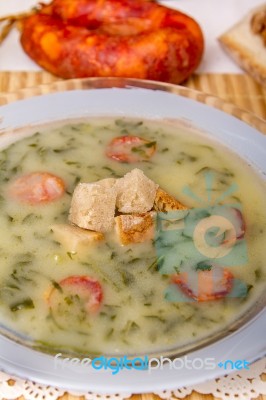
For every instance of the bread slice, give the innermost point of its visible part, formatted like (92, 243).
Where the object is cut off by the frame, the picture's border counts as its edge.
(135, 193)
(247, 47)
(93, 205)
(164, 202)
(135, 228)
(74, 239)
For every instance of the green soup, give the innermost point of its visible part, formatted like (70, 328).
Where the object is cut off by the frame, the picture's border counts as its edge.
(135, 316)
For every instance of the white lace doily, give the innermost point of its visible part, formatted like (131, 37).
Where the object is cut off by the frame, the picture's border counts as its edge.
(244, 385)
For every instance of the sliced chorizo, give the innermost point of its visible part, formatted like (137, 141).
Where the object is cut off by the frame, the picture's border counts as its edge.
(36, 188)
(84, 291)
(205, 285)
(130, 149)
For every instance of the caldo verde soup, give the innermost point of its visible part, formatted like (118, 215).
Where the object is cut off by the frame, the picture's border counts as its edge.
(112, 297)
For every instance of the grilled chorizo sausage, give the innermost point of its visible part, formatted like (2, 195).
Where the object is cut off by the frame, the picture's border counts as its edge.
(118, 38)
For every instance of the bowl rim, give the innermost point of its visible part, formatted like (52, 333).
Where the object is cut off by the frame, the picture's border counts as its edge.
(99, 83)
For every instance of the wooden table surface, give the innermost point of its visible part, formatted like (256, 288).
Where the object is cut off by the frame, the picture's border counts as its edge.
(235, 88)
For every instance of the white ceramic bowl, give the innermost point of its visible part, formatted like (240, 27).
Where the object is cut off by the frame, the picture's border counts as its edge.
(121, 97)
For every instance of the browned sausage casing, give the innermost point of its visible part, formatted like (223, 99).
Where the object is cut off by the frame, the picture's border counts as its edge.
(118, 38)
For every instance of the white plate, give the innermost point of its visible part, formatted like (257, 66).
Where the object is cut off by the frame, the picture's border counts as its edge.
(143, 100)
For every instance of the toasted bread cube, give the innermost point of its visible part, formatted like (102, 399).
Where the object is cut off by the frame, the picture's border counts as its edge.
(73, 238)
(135, 193)
(107, 182)
(135, 228)
(164, 202)
(93, 205)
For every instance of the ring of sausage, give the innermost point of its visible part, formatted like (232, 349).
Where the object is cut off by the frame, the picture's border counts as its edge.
(118, 38)
(130, 149)
(37, 188)
(205, 285)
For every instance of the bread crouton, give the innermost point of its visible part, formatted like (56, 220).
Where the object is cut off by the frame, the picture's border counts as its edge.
(107, 182)
(73, 238)
(93, 205)
(135, 228)
(164, 202)
(135, 193)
